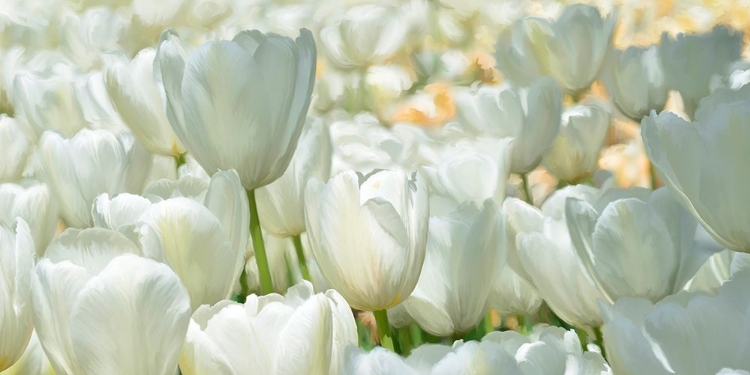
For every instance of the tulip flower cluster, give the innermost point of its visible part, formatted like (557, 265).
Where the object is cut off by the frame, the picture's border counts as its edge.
(374, 187)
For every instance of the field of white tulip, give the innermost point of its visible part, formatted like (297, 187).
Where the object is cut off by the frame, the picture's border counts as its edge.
(375, 187)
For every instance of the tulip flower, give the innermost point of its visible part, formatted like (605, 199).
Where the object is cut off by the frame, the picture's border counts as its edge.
(16, 267)
(270, 78)
(530, 115)
(34, 204)
(77, 170)
(571, 49)
(47, 102)
(137, 95)
(300, 332)
(688, 333)
(16, 148)
(368, 236)
(716, 142)
(636, 79)
(708, 54)
(466, 239)
(635, 243)
(183, 233)
(33, 360)
(549, 260)
(101, 309)
(575, 152)
(513, 295)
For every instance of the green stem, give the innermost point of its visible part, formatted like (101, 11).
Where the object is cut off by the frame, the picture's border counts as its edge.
(404, 340)
(179, 160)
(384, 330)
(527, 189)
(264, 272)
(583, 337)
(525, 323)
(653, 174)
(416, 335)
(487, 322)
(301, 258)
(600, 341)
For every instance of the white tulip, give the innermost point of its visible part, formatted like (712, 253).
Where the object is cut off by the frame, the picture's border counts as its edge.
(281, 203)
(575, 152)
(546, 254)
(184, 234)
(471, 357)
(100, 309)
(706, 155)
(531, 116)
(365, 34)
(47, 103)
(709, 54)
(35, 206)
(464, 252)
(470, 171)
(636, 79)
(32, 362)
(378, 361)
(77, 170)
(15, 149)
(253, 90)
(572, 49)
(513, 295)
(688, 333)
(139, 100)
(300, 332)
(368, 235)
(16, 267)
(635, 243)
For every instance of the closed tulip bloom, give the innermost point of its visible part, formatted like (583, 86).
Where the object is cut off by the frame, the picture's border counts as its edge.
(469, 171)
(281, 204)
(688, 333)
(368, 235)
(531, 116)
(365, 34)
(101, 309)
(138, 97)
(547, 256)
(575, 152)
(34, 204)
(571, 49)
(513, 295)
(464, 252)
(240, 104)
(15, 148)
(184, 233)
(16, 267)
(635, 243)
(77, 170)
(47, 103)
(299, 333)
(636, 79)
(716, 142)
(472, 357)
(690, 61)
(378, 361)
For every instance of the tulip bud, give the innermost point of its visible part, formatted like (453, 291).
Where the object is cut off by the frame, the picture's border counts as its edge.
(35, 206)
(16, 265)
(47, 103)
(368, 235)
(240, 104)
(690, 61)
(100, 309)
(706, 155)
(464, 250)
(77, 170)
(636, 79)
(15, 148)
(139, 99)
(575, 152)
(272, 334)
(281, 204)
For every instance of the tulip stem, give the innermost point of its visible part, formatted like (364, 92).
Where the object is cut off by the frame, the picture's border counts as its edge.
(527, 189)
(264, 272)
(600, 340)
(653, 175)
(179, 160)
(384, 330)
(301, 258)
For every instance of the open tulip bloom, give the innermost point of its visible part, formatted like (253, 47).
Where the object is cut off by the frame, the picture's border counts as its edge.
(378, 187)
